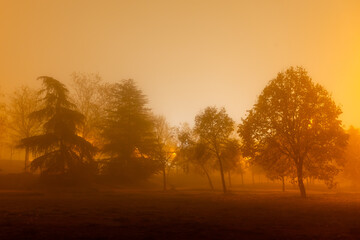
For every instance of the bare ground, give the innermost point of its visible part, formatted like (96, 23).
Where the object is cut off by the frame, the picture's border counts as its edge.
(127, 214)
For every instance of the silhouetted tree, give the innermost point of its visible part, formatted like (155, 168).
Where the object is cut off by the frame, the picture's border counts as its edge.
(352, 156)
(3, 123)
(275, 164)
(203, 160)
(278, 166)
(23, 102)
(164, 150)
(241, 168)
(214, 127)
(61, 150)
(255, 169)
(89, 97)
(184, 136)
(231, 157)
(128, 129)
(3, 118)
(299, 119)
(192, 152)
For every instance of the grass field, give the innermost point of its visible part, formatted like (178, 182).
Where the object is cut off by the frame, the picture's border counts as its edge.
(135, 214)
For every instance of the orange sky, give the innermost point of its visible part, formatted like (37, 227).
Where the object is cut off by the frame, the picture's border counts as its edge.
(185, 54)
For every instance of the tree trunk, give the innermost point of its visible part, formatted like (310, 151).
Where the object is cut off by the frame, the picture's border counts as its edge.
(222, 173)
(209, 179)
(300, 180)
(229, 176)
(11, 153)
(253, 176)
(283, 183)
(26, 158)
(164, 177)
(302, 187)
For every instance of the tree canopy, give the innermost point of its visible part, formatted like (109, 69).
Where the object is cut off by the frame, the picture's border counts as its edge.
(214, 128)
(59, 149)
(88, 95)
(128, 130)
(3, 118)
(352, 156)
(192, 151)
(23, 102)
(297, 118)
(164, 149)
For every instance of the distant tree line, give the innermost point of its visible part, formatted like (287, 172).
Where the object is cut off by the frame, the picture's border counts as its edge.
(292, 132)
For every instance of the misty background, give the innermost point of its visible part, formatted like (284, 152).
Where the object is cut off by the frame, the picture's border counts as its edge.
(185, 55)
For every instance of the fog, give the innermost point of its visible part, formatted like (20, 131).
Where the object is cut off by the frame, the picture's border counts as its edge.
(208, 53)
(179, 119)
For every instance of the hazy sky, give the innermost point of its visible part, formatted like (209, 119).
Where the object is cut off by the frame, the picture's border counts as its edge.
(185, 55)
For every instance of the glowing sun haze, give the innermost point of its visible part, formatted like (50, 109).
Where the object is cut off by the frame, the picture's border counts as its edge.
(185, 55)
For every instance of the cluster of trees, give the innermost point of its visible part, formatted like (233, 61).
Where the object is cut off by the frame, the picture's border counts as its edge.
(210, 145)
(292, 132)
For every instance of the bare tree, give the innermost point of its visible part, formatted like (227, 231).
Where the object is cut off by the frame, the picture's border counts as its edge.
(88, 96)
(165, 146)
(193, 152)
(3, 122)
(23, 102)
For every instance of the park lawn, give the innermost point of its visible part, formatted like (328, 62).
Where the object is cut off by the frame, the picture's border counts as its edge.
(150, 214)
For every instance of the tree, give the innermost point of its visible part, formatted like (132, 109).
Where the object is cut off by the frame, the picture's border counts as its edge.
(214, 127)
(203, 160)
(352, 156)
(3, 123)
(23, 102)
(193, 152)
(231, 157)
(241, 168)
(164, 150)
(184, 136)
(298, 118)
(275, 164)
(61, 150)
(3, 119)
(128, 129)
(255, 169)
(278, 166)
(89, 98)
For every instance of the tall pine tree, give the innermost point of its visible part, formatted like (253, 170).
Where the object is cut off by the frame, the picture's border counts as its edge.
(58, 148)
(129, 133)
